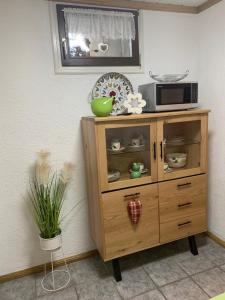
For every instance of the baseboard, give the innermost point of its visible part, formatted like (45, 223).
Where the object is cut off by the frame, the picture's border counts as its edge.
(216, 239)
(40, 268)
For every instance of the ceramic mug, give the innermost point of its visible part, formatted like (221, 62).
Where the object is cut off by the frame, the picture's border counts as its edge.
(135, 142)
(115, 145)
(142, 167)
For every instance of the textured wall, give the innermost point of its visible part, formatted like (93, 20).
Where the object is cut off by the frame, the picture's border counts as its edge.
(212, 92)
(39, 109)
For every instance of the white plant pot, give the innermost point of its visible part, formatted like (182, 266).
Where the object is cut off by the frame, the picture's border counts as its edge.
(52, 243)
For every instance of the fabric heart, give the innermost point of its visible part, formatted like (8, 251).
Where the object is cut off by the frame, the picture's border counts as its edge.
(103, 47)
(134, 208)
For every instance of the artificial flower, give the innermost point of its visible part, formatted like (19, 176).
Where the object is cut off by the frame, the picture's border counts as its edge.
(42, 172)
(67, 172)
(43, 156)
(134, 103)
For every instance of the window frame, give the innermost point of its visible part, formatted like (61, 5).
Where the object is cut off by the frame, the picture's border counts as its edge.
(95, 61)
(60, 69)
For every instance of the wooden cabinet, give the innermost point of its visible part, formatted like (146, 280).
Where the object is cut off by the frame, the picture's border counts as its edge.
(173, 197)
(121, 236)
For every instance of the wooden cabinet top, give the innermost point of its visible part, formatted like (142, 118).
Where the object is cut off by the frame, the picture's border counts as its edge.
(147, 115)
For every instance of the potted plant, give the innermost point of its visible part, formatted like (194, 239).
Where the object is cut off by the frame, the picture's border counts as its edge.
(46, 196)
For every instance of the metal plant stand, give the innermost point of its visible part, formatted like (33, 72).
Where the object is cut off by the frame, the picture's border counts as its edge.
(52, 274)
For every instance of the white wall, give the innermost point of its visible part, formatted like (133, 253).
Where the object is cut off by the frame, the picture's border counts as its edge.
(212, 92)
(39, 109)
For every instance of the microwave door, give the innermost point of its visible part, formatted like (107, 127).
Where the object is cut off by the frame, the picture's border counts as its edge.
(169, 94)
(174, 96)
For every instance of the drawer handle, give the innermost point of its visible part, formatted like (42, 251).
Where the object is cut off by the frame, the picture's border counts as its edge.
(136, 195)
(188, 204)
(154, 150)
(188, 184)
(184, 224)
(161, 150)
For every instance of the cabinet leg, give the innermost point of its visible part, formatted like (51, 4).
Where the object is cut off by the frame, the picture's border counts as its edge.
(116, 269)
(192, 245)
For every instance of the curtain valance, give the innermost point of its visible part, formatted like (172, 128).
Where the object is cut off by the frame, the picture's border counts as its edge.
(99, 24)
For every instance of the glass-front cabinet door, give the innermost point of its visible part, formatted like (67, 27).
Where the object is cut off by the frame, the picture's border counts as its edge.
(127, 154)
(181, 147)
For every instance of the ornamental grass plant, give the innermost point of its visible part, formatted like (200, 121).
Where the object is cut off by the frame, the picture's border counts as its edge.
(46, 195)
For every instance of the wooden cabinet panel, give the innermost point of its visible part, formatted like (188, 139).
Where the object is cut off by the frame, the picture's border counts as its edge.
(182, 197)
(182, 227)
(121, 236)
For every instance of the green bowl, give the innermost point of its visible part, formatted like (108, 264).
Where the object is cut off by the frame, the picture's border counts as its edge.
(102, 107)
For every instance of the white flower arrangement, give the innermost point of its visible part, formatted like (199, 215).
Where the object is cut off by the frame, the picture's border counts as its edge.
(134, 103)
(47, 190)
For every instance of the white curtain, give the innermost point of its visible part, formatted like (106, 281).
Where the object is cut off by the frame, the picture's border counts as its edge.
(95, 24)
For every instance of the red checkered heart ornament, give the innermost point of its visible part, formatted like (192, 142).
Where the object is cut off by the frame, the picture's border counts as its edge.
(134, 208)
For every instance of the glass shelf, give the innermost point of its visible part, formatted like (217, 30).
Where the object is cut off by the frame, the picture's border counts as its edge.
(172, 170)
(185, 143)
(125, 151)
(126, 176)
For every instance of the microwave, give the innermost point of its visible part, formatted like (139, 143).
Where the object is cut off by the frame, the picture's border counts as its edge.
(169, 96)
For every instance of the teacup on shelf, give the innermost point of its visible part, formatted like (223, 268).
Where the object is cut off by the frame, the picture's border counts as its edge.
(135, 142)
(115, 145)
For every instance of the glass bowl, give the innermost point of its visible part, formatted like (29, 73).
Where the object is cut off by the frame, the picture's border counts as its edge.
(168, 77)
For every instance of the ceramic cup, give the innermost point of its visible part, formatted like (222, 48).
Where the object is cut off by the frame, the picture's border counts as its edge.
(135, 142)
(115, 145)
(142, 167)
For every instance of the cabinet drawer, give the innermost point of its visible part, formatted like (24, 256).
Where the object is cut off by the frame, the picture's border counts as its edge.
(182, 227)
(182, 197)
(120, 235)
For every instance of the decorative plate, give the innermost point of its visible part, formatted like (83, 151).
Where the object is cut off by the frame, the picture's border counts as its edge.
(113, 85)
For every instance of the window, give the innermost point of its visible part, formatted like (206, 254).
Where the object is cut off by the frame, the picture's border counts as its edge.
(93, 36)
